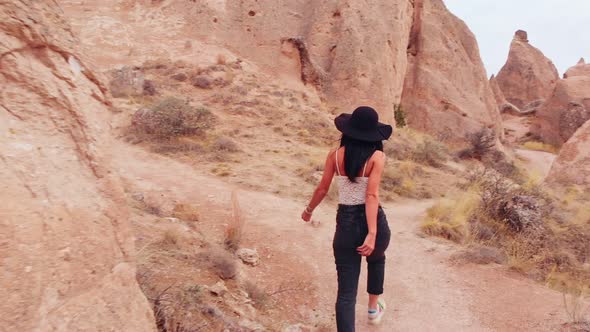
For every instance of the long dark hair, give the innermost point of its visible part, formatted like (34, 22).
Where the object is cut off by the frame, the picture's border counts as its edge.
(357, 153)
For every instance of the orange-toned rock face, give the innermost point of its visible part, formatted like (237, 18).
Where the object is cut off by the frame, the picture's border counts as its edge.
(446, 89)
(572, 166)
(67, 254)
(565, 111)
(527, 75)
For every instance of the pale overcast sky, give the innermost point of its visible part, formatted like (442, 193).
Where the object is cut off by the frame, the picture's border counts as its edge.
(559, 28)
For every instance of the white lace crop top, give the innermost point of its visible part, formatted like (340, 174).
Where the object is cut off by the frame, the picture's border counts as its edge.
(351, 193)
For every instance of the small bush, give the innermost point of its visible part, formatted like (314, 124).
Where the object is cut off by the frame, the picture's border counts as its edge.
(225, 264)
(430, 153)
(256, 294)
(149, 88)
(172, 117)
(497, 161)
(202, 82)
(399, 115)
(225, 144)
(170, 238)
(181, 77)
(481, 143)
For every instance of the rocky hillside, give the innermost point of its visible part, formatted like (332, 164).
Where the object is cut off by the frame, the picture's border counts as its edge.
(345, 52)
(68, 252)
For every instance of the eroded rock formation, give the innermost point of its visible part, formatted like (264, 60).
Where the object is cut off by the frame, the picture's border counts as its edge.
(528, 76)
(67, 251)
(572, 165)
(446, 91)
(565, 111)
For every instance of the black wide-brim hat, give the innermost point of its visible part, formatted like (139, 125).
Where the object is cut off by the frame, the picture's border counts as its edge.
(363, 124)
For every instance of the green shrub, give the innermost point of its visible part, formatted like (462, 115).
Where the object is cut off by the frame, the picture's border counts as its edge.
(399, 115)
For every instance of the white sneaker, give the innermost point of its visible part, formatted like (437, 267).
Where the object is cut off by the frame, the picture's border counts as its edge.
(375, 316)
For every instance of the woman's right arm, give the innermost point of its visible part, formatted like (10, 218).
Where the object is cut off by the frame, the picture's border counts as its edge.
(322, 188)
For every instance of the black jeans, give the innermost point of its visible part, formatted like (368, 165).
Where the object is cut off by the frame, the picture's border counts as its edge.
(351, 230)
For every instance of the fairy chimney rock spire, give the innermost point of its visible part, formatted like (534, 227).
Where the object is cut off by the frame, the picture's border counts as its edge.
(522, 36)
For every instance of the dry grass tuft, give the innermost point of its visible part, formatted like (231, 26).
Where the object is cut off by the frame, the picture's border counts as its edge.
(235, 228)
(225, 144)
(186, 212)
(540, 146)
(421, 148)
(449, 217)
(576, 293)
(171, 238)
(256, 294)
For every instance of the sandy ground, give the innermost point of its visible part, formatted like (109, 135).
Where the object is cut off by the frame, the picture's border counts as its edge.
(425, 290)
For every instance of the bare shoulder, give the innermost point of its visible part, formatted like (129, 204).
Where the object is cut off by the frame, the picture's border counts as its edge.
(332, 152)
(378, 156)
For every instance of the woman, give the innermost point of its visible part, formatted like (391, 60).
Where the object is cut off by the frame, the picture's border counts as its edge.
(361, 225)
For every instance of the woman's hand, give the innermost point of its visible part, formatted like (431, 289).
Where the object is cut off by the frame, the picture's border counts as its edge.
(306, 216)
(368, 246)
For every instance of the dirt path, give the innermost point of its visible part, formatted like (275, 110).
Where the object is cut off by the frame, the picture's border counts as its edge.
(424, 290)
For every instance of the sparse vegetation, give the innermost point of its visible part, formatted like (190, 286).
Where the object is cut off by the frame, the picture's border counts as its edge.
(172, 117)
(256, 294)
(431, 153)
(449, 218)
(186, 212)
(481, 143)
(415, 162)
(520, 220)
(225, 144)
(408, 144)
(235, 228)
(225, 264)
(170, 238)
(399, 115)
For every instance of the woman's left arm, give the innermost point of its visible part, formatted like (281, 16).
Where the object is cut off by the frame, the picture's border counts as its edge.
(322, 188)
